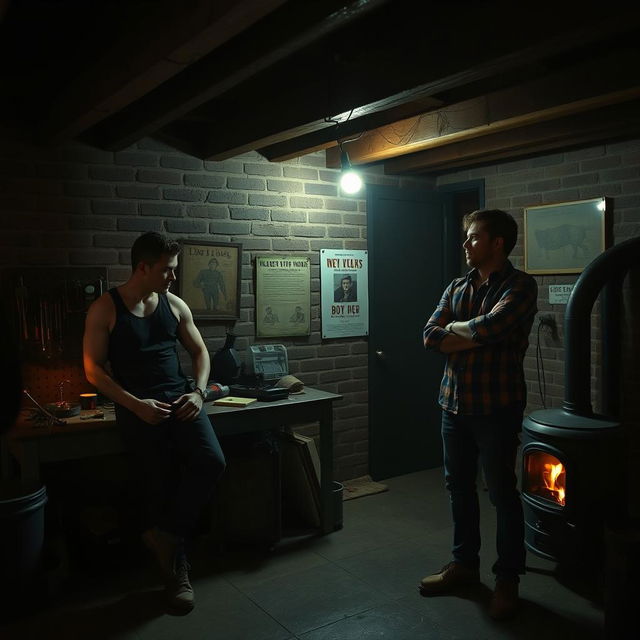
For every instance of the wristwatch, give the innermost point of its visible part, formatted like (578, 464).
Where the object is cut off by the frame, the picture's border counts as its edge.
(201, 393)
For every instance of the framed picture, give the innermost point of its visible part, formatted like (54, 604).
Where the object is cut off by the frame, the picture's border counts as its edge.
(344, 292)
(283, 296)
(209, 275)
(565, 237)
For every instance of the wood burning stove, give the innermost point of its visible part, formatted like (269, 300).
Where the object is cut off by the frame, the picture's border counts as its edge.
(573, 463)
(570, 466)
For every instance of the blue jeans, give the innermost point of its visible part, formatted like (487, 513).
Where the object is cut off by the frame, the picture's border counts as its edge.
(494, 440)
(176, 466)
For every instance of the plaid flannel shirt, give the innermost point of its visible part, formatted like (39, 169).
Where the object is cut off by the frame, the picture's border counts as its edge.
(479, 381)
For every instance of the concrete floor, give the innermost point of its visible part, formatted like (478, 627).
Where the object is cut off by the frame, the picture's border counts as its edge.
(357, 583)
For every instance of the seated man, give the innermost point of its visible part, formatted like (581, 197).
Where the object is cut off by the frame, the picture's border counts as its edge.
(178, 459)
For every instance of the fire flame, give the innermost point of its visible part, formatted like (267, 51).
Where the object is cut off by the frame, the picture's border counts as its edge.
(554, 478)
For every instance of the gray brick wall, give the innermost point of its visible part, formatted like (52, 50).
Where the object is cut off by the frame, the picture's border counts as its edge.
(80, 206)
(76, 205)
(611, 170)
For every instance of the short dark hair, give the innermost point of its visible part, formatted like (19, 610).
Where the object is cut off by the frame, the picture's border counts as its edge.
(497, 223)
(150, 247)
(213, 260)
(346, 277)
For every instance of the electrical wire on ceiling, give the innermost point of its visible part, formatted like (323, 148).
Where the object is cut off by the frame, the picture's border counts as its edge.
(350, 180)
(338, 123)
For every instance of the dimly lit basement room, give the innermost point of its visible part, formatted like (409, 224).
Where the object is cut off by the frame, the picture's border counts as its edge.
(317, 319)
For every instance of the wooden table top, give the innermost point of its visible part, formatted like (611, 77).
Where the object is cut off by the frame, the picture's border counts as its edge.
(26, 429)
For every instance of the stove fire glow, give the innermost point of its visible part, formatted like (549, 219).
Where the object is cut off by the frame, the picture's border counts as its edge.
(545, 477)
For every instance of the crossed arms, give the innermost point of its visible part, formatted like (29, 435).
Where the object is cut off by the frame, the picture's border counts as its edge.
(444, 334)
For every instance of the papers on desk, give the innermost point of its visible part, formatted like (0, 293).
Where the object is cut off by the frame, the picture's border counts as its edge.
(233, 401)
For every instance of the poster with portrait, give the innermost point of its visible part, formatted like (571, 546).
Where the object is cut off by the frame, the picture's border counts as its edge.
(209, 278)
(283, 296)
(344, 284)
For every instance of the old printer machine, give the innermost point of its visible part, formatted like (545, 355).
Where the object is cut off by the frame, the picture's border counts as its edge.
(266, 364)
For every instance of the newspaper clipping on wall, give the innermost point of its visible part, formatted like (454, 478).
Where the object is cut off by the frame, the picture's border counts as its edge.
(283, 296)
(344, 285)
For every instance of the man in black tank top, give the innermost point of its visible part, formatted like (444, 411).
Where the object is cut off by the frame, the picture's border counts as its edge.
(177, 459)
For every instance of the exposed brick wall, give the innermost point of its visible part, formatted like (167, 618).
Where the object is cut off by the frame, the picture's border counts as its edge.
(77, 205)
(613, 171)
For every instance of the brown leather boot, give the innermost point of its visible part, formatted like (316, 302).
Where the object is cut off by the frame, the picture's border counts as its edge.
(451, 576)
(172, 561)
(505, 600)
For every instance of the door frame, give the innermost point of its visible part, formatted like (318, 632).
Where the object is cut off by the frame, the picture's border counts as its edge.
(451, 254)
(452, 232)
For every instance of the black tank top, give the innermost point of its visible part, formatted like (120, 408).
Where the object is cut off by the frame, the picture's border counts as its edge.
(142, 351)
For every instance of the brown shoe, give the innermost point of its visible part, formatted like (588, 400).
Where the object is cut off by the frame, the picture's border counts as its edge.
(505, 601)
(451, 576)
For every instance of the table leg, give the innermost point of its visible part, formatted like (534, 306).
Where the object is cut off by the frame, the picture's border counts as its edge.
(327, 522)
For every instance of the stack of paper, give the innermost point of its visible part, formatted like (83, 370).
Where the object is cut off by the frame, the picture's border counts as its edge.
(233, 401)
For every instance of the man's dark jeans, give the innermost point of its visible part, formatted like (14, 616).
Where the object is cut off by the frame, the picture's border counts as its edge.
(175, 466)
(494, 440)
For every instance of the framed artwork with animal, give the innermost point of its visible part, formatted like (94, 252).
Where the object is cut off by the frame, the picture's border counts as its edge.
(566, 236)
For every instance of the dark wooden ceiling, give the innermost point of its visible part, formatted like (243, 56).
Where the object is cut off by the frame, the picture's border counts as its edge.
(419, 86)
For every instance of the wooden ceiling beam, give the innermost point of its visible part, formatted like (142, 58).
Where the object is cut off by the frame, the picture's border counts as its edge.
(175, 36)
(583, 87)
(279, 37)
(608, 123)
(298, 112)
(327, 137)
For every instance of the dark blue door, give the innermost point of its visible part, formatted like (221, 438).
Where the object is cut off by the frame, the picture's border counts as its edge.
(414, 249)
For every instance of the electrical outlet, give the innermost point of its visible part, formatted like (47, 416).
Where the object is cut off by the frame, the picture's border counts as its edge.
(547, 320)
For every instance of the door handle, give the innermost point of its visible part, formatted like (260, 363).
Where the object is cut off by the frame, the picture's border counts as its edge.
(380, 355)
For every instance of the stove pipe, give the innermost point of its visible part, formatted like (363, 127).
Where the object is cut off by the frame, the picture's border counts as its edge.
(609, 269)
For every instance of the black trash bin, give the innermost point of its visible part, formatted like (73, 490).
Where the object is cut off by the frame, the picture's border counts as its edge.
(21, 543)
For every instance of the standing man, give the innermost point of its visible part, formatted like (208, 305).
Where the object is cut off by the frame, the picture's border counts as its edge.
(177, 457)
(482, 324)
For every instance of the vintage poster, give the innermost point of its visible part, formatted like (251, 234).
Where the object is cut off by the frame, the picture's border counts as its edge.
(344, 286)
(209, 278)
(283, 296)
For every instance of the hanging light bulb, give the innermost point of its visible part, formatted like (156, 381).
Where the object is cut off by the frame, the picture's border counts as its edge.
(350, 180)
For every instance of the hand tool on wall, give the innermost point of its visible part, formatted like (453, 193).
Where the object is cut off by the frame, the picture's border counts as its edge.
(43, 412)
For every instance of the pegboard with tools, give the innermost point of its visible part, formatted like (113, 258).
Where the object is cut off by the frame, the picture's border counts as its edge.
(44, 383)
(47, 308)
